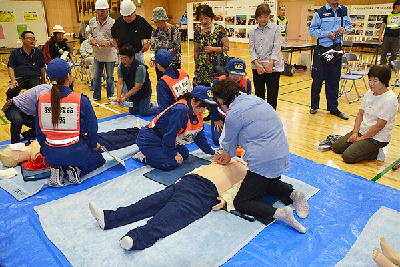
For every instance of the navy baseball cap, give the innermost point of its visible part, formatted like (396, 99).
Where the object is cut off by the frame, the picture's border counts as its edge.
(236, 66)
(58, 68)
(163, 57)
(204, 93)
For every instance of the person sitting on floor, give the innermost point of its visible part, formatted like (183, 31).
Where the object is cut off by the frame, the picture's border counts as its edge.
(388, 258)
(162, 142)
(66, 128)
(178, 205)
(375, 120)
(173, 83)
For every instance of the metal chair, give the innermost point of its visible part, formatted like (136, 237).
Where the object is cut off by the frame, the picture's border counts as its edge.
(351, 57)
(343, 81)
(348, 44)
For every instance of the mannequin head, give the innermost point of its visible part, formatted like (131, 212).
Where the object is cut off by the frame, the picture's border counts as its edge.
(10, 158)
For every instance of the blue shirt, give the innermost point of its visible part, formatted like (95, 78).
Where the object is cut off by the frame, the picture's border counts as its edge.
(88, 120)
(327, 20)
(165, 97)
(183, 20)
(175, 119)
(254, 125)
(25, 65)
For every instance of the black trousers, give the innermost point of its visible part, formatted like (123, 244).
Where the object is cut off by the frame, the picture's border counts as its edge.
(23, 83)
(272, 82)
(183, 35)
(253, 188)
(17, 119)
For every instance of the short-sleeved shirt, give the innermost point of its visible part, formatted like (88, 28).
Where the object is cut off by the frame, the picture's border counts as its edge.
(131, 33)
(382, 106)
(102, 32)
(169, 40)
(388, 31)
(25, 65)
(26, 101)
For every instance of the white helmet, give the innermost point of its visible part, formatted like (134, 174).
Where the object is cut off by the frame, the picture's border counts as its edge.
(101, 4)
(127, 7)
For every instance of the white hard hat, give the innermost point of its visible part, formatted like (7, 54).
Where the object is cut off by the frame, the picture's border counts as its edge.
(127, 7)
(58, 28)
(101, 4)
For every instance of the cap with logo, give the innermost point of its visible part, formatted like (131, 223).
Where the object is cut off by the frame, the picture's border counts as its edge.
(204, 93)
(236, 66)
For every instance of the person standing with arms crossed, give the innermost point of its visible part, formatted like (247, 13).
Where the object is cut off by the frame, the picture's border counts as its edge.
(326, 25)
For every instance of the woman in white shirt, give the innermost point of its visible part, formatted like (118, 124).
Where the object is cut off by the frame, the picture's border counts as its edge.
(375, 120)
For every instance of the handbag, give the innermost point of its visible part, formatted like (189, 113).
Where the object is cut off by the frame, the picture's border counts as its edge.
(331, 54)
(220, 61)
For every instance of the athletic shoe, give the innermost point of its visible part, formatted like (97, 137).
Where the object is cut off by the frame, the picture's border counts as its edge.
(74, 174)
(140, 157)
(98, 214)
(56, 176)
(313, 111)
(381, 155)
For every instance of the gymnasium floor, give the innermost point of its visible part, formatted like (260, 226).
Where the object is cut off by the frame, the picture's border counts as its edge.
(338, 212)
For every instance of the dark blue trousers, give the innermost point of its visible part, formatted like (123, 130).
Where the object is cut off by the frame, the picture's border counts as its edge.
(330, 73)
(118, 138)
(171, 209)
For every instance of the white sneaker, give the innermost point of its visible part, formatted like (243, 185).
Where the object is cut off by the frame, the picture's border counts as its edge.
(56, 176)
(98, 214)
(140, 157)
(381, 155)
(74, 174)
(126, 243)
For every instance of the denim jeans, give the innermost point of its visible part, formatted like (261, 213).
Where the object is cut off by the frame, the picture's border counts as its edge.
(98, 71)
(17, 119)
(144, 107)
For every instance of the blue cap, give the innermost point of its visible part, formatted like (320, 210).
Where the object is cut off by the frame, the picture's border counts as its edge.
(58, 68)
(163, 57)
(185, 11)
(236, 66)
(204, 93)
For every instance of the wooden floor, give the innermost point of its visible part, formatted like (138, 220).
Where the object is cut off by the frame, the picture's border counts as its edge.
(302, 128)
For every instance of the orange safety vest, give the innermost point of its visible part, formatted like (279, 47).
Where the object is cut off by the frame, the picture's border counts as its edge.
(68, 129)
(184, 136)
(178, 86)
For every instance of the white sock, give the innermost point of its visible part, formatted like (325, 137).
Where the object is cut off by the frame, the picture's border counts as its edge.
(286, 215)
(140, 157)
(126, 242)
(98, 214)
(300, 202)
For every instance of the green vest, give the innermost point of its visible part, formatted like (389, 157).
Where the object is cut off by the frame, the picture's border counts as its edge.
(282, 24)
(393, 19)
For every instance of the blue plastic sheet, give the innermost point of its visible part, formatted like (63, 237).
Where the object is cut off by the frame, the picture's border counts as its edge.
(338, 214)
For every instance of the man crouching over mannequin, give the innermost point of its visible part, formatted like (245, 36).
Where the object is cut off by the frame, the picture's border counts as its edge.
(178, 205)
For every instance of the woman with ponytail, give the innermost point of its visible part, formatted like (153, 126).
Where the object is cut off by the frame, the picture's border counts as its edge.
(174, 82)
(66, 128)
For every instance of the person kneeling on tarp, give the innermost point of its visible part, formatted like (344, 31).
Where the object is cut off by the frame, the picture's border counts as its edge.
(66, 128)
(162, 142)
(178, 205)
(375, 120)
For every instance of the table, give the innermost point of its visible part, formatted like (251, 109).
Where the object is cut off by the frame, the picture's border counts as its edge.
(292, 47)
(369, 44)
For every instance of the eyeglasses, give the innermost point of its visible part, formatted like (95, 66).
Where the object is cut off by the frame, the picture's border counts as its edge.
(32, 39)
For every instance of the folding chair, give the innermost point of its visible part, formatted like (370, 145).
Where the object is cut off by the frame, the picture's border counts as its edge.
(343, 81)
(351, 57)
(348, 44)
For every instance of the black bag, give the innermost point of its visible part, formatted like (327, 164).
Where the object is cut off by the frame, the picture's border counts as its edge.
(331, 54)
(287, 71)
(220, 61)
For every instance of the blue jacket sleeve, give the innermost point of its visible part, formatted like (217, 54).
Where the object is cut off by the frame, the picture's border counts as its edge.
(165, 98)
(201, 141)
(178, 120)
(89, 122)
(248, 87)
(315, 27)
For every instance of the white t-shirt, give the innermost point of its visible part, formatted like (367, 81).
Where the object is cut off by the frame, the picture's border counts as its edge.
(382, 106)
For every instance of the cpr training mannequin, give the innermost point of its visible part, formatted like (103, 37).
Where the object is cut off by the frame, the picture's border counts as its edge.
(162, 142)
(10, 158)
(180, 204)
(66, 128)
(388, 258)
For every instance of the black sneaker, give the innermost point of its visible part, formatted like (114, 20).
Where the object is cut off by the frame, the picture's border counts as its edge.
(341, 115)
(56, 176)
(74, 174)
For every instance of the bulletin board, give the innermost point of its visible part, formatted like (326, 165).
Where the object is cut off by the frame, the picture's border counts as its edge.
(16, 17)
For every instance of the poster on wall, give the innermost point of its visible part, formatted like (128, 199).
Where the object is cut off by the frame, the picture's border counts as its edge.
(366, 20)
(2, 36)
(21, 28)
(31, 17)
(7, 16)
